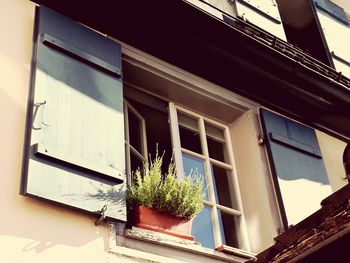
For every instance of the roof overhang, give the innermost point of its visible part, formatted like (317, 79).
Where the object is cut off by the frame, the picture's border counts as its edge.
(189, 38)
(323, 236)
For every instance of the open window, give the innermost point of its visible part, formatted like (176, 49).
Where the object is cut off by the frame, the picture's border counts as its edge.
(190, 133)
(135, 139)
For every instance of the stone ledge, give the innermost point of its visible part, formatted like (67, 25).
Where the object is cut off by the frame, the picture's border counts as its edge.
(152, 246)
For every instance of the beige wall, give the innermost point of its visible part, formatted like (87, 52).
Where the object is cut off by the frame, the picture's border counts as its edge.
(332, 153)
(255, 182)
(345, 4)
(31, 230)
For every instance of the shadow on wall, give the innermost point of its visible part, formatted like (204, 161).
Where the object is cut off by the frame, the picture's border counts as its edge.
(40, 226)
(27, 224)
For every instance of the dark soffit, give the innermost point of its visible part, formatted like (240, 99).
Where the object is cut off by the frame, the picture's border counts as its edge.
(187, 37)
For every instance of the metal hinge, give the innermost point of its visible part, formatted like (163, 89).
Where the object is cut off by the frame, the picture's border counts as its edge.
(102, 217)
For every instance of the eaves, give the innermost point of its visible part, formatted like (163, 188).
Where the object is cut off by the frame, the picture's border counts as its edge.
(233, 56)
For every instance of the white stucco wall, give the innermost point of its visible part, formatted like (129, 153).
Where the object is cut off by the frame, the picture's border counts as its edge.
(332, 153)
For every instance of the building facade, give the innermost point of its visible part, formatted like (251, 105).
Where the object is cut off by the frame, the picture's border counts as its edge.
(88, 92)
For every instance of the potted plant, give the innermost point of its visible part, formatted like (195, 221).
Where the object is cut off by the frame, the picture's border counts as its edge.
(162, 203)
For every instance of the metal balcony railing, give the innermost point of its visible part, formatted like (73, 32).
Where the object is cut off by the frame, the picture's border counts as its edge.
(289, 50)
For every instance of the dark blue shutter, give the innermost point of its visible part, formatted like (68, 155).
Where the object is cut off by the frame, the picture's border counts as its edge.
(295, 159)
(75, 134)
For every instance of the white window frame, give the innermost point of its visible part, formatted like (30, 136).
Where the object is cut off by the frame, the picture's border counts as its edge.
(129, 149)
(172, 84)
(242, 235)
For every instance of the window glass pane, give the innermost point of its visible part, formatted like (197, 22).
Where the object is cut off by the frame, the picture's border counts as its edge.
(134, 131)
(194, 166)
(223, 187)
(216, 143)
(228, 228)
(189, 133)
(202, 228)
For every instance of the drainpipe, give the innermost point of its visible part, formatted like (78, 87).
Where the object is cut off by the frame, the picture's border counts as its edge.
(346, 161)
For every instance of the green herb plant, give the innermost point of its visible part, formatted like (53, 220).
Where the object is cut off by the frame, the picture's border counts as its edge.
(164, 193)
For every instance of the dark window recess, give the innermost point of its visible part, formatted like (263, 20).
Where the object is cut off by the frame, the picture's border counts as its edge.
(74, 149)
(190, 140)
(333, 10)
(216, 149)
(222, 187)
(135, 131)
(229, 228)
(157, 130)
(136, 163)
(309, 39)
(189, 132)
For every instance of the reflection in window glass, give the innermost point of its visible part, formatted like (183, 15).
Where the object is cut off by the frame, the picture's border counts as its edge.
(228, 228)
(202, 228)
(194, 166)
(222, 183)
(216, 143)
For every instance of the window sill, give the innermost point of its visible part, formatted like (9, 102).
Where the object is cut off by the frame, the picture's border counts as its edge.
(151, 246)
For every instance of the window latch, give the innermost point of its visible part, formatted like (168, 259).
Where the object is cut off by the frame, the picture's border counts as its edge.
(102, 217)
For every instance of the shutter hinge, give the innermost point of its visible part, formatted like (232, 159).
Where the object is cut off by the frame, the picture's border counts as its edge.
(102, 217)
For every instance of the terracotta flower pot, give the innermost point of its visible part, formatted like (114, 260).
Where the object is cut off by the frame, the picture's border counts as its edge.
(161, 222)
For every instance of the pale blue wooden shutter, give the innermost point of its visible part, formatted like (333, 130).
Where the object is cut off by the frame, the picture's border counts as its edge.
(296, 162)
(75, 130)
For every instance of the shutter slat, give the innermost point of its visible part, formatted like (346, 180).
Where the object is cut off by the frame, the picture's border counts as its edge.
(82, 190)
(72, 160)
(295, 145)
(78, 53)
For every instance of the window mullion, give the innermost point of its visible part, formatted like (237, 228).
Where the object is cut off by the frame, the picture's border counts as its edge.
(191, 153)
(127, 143)
(209, 177)
(175, 139)
(139, 155)
(143, 129)
(229, 210)
(221, 164)
(144, 140)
